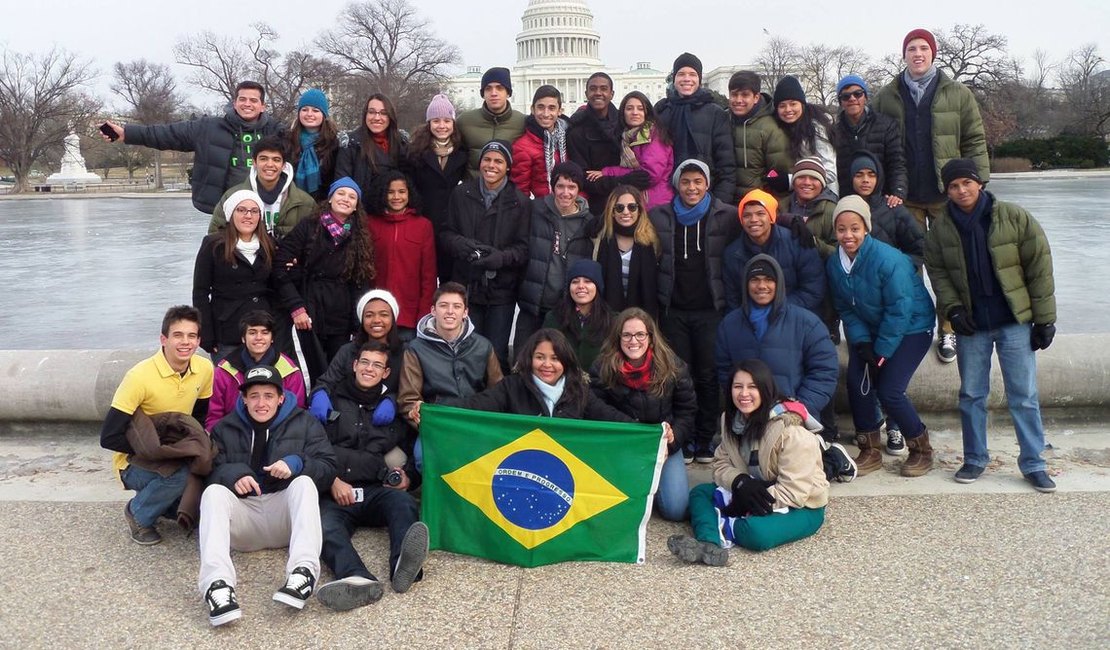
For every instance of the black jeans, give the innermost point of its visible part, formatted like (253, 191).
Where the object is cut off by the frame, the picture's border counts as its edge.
(381, 506)
(692, 335)
(526, 326)
(495, 322)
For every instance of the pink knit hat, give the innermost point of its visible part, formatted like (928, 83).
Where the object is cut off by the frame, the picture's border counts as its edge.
(440, 106)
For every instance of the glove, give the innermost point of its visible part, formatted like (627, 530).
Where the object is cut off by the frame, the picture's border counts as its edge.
(384, 413)
(492, 261)
(1041, 336)
(480, 251)
(749, 497)
(638, 179)
(866, 352)
(962, 323)
(320, 406)
(777, 181)
(801, 233)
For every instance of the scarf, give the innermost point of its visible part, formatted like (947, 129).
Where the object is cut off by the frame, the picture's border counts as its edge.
(643, 277)
(365, 397)
(689, 216)
(846, 262)
(488, 195)
(759, 316)
(381, 139)
(625, 231)
(679, 121)
(549, 393)
(973, 228)
(268, 359)
(442, 150)
(248, 249)
(308, 167)
(338, 231)
(917, 87)
(630, 138)
(554, 147)
(637, 377)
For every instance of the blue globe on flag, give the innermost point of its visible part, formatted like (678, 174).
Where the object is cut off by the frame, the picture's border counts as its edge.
(533, 489)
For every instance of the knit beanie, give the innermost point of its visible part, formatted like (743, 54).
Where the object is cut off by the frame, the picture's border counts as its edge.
(809, 167)
(497, 75)
(683, 166)
(569, 169)
(863, 161)
(852, 80)
(687, 60)
(855, 204)
(586, 268)
(238, 197)
(376, 294)
(440, 106)
(315, 98)
(789, 88)
(959, 168)
(347, 182)
(501, 147)
(760, 265)
(920, 33)
(759, 197)
(744, 80)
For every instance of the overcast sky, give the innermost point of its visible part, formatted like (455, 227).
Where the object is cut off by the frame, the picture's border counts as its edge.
(721, 33)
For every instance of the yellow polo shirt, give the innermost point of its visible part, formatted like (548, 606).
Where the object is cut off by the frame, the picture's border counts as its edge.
(154, 387)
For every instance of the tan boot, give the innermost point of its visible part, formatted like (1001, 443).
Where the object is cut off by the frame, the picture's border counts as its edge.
(920, 460)
(870, 457)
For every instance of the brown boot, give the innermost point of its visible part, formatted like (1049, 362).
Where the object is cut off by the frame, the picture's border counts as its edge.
(870, 457)
(920, 460)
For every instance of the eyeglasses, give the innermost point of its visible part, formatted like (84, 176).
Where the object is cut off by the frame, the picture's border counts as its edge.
(376, 114)
(619, 208)
(376, 365)
(639, 336)
(254, 212)
(855, 94)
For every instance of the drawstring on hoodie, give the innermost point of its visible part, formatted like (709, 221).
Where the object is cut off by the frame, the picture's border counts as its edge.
(686, 240)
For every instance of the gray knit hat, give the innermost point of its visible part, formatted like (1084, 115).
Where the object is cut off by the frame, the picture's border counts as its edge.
(682, 166)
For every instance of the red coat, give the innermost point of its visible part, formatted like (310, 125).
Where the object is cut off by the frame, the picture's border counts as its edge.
(405, 262)
(529, 170)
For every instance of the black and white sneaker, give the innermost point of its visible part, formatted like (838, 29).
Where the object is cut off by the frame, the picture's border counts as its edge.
(414, 550)
(297, 589)
(946, 348)
(350, 592)
(842, 463)
(895, 443)
(223, 607)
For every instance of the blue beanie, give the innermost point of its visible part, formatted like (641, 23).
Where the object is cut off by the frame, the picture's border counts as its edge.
(852, 80)
(589, 269)
(347, 182)
(315, 98)
(497, 75)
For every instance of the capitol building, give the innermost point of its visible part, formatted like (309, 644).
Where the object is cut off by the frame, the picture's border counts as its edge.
(558, 45)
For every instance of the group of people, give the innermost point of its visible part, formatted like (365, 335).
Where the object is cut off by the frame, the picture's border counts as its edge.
(654, 257)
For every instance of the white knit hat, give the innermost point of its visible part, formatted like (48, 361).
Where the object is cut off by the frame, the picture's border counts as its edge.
(238, 197)
(377, 294)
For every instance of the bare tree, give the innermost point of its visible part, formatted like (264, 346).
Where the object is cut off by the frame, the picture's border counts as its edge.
(778, 58)
(287, 76)
(150, 92)
(1085, 83)
(821, 67)
(218, 62)
(975, 57)
(41, 100)
(385, 45)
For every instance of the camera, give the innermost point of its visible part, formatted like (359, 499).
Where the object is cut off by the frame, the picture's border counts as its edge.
(394, 478)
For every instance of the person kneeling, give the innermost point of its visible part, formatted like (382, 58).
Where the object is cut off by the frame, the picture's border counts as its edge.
(273, 459)
(369, 490)
(770, 483)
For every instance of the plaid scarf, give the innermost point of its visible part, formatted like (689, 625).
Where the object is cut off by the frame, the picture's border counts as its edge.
(637, 378)
(338, 231)
(554, 147)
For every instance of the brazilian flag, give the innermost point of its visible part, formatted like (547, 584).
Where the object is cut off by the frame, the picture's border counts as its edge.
(535, 490)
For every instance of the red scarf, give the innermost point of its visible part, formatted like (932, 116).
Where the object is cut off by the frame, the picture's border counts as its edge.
(382, 140)
(637, 377)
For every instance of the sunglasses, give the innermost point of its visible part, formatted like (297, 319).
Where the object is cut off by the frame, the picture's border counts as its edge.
(855, 94)
(621, 207)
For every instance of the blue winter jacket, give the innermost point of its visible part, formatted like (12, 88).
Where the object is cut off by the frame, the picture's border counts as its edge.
(801, 269)
(882, 299)
(796, 346)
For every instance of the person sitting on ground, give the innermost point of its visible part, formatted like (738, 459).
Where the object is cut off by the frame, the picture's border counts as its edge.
(283, 204)
(769, 486)
(581, 314)
(542, 146)
(274, 459)
(368, 489)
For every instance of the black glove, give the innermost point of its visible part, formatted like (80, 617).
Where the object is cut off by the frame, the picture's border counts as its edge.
(749, 497)
(1041, 336)
(480, 251)
(638, 179)
(801, 233)
(778, 182)
(866, 352)
(492, 261)
(962, 323)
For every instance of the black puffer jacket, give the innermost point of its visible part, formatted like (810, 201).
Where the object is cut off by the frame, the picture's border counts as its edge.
(894, 226)
(678, 405)
(351, 161)
(224, 292)
(594, 144)
(711, 130)
(878, 134)
(221, 149)
(344, 359)
(360, 445)
(293, 432)
(722, 226)
(435, 185)
(575, 244)
(518, 394)
(504, 226)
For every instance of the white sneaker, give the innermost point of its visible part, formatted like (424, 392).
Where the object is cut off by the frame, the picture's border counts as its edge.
(946, 348)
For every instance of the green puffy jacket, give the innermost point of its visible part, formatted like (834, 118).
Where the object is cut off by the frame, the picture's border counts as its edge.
(479, 126)
(1020, 255)
(761, 145)
(957, 126)
(297, 205)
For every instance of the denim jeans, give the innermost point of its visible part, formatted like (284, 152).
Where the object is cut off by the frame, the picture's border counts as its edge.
(381, 506)
(672, 501)
(155, 495)
(495, 322)
(865, 394)
(1019, 375)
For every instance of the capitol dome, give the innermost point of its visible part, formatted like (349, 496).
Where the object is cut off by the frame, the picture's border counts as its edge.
(559, 32)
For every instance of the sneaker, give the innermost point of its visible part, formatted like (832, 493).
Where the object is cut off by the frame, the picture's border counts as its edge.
(1041, 482)
(968, 473)
(414, 550)
(703, 455)
(691, 550)
(687, 455)
(840, 462)
(145, 535)
(297, 589)
(349, 593)
(895, 443)
(223, 607)
(946, 348)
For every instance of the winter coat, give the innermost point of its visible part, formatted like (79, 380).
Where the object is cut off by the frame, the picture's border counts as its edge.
(435, 184)
(801, 267)
(594, 144)
(517, 394)
(881, 136)
(1020, 256)
(882, 299)
(229, 375)
(761, 145)
(351, 161)
(957, 126)
(529, 170)
(504, 226)
(788, 454)
(479, 126)
(221, 149)
(224, 292)
(818, 215)
(678, 405)
(293, 432)
(657, 159)
(796, 346)
(895, 226)
(643, 277)
(295, 205)
(545, 278)
(712, 137)
(316, 282)
(344, 360)
(586, 345)
(405, 262)
(722, 227)
(360, 445)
